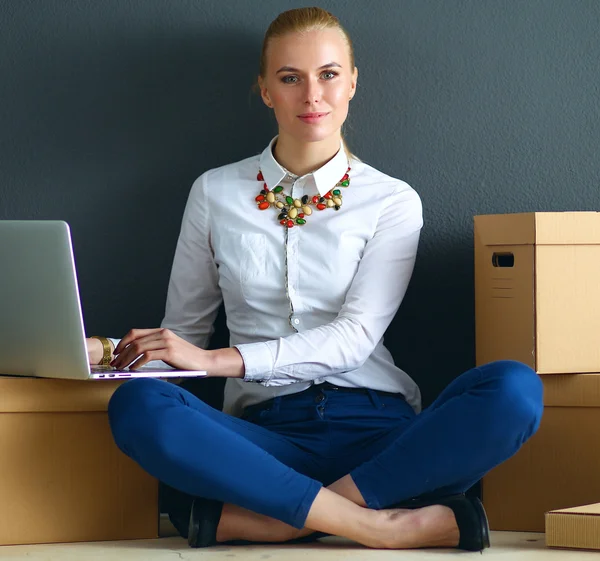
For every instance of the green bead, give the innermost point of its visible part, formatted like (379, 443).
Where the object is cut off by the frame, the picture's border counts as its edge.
(278, 189)
(289, 200)
(345, 183)
(300, 221)
(337, 192)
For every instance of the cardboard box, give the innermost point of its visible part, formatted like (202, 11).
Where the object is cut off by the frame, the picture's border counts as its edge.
(577, 527)
(558, 467)
(537, 295)
(62, 478)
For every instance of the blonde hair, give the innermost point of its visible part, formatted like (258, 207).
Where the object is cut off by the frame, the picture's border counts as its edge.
(300, 20)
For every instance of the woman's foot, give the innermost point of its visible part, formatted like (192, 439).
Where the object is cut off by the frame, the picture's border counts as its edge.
(431, 526)
(237, 523)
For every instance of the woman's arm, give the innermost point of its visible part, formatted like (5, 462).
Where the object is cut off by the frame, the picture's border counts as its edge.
(142, 346)
(193, 300)
(194, 296)
(95, 349)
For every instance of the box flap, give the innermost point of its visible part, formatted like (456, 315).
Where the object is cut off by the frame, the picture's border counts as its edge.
(571, 390)
(593, 509)
(51, 395)
(541, 228)
(505, 229)
(567, 228)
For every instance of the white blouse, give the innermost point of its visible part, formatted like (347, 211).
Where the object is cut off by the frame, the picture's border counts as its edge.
(306, 304)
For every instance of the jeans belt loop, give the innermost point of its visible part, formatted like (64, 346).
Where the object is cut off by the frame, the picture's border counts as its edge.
(276, 403)
(375, 399)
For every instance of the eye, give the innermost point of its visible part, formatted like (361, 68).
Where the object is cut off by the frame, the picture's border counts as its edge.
(290, 79)
(329, 74)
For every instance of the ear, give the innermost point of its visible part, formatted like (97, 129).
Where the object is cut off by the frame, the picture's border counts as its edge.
(264, 93)
(353, 83)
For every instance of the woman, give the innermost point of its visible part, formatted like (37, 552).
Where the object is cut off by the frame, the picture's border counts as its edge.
(311, 251)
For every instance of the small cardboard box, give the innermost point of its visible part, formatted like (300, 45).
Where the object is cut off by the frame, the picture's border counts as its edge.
(577, 527)
(558, 467)
(537, 290)
(62, 478)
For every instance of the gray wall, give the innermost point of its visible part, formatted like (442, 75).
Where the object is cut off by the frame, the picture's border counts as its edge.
(109, 110)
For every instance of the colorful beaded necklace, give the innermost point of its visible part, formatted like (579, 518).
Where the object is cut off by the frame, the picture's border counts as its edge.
(294, 211)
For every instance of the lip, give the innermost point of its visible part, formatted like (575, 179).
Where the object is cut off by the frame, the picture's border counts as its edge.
(312, 117)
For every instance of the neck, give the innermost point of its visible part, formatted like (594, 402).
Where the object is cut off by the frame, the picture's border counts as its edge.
(304, 157)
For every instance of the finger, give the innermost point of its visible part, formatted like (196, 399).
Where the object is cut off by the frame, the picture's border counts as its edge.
(146, 358)
(131, 336)
(158, 334)
(134, 350)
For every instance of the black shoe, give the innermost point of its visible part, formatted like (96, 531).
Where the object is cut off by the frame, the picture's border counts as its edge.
(470, 517)
(204, 519)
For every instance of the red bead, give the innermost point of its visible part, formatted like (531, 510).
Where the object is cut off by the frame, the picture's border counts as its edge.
(327, 195)
(301, 215)
(315, 200)
(346, 177)
(264, 206)
(290, 224)
(321, 206)
(260, 198)
(265, 187)
(260, 177)
(283, 222)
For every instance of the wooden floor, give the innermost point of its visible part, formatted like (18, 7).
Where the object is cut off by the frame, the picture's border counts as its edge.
(506, 546)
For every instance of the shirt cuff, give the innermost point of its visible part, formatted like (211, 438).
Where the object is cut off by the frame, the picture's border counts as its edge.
(258, 361)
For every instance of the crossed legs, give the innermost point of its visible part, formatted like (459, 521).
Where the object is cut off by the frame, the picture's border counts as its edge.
(478, 421)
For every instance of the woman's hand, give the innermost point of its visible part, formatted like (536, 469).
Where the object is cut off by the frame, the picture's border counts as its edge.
(140, 346)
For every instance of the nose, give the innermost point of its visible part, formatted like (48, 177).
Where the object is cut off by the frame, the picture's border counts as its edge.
(313, 91)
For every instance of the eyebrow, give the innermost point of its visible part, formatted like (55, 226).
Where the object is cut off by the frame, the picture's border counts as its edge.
(292, 69)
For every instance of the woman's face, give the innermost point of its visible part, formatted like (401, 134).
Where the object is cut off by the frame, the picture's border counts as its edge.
(309, 83)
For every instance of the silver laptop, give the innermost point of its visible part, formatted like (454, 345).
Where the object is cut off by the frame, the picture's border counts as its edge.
(41, 323)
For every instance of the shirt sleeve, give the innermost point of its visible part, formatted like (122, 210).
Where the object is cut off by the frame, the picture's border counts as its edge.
(371, 302)
(194, 296)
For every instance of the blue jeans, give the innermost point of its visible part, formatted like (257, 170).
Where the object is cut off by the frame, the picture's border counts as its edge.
(275, 459)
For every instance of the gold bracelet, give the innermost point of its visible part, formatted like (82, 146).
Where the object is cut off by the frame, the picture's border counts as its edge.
(107, 350)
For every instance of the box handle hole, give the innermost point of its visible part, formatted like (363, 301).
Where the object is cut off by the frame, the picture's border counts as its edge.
(503, 260)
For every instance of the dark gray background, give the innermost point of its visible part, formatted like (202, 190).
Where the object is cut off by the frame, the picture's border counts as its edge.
(109, 110)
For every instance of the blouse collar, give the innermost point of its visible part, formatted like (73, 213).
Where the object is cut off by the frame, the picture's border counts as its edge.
(325, 178)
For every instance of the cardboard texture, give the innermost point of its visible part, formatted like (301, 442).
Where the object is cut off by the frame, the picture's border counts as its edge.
(558, 467)
(577, 527)
(62, 478)
(536, 290)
